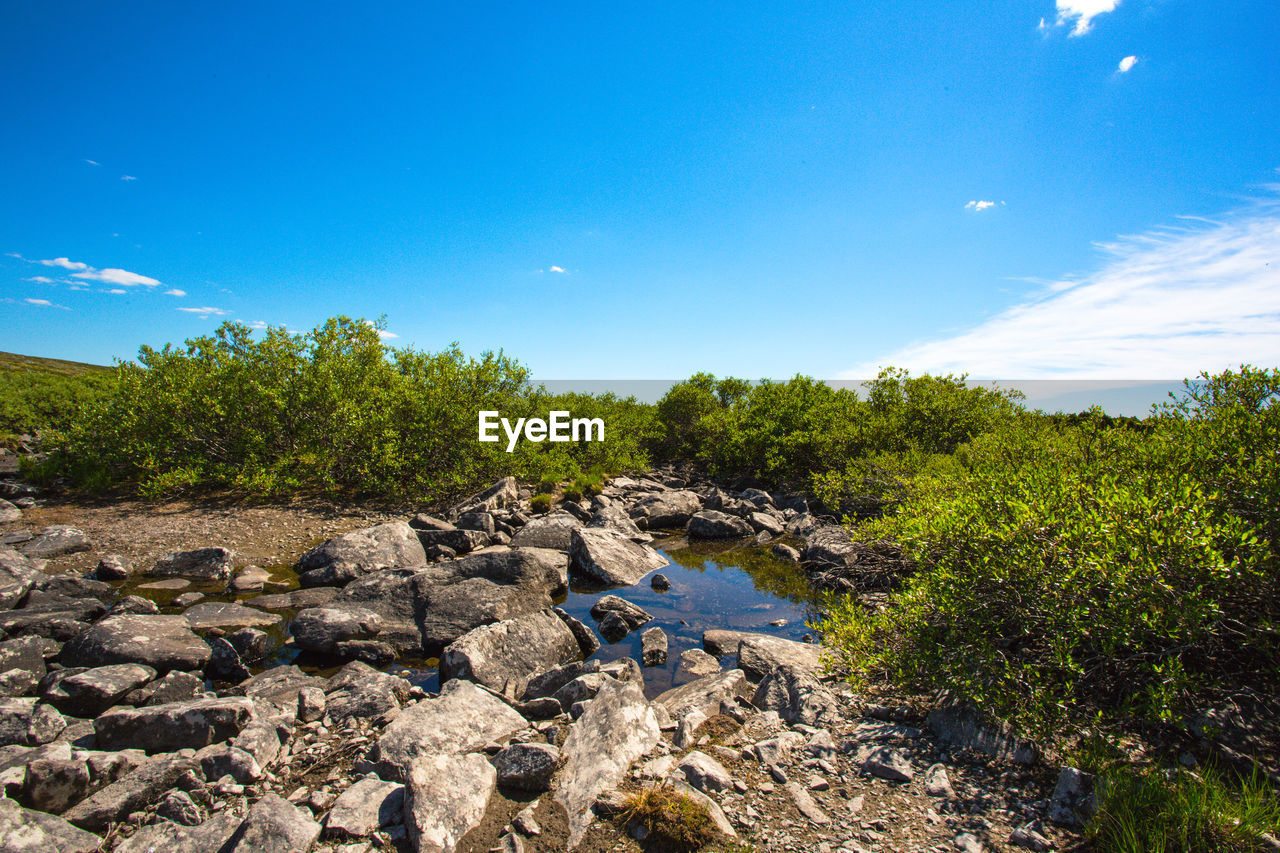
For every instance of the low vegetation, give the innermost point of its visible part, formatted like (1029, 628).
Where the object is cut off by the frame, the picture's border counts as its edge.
(672, 821)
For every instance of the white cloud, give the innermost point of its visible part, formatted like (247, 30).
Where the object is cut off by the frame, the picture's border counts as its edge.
(45, 303)
(205, 312)
(1127, 64)
(41, 279)
(1165, 305)
(117, 291)
(981, 205)
(65, 263)
(115, 276)
(175, 292)
(557, 269)
(92, 162)
(258, 324)
(1082, 12)
(128, 178)
(385, 335)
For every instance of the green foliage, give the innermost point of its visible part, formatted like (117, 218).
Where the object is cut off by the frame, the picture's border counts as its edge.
(671, 817)
(1180, 812)
(1063, 568)
(43, 394)
(542, 503)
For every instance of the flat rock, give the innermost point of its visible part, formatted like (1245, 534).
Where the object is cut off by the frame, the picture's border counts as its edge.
(364, 807)
(274, 825)
(505, 655)
(445, 796)
(695, 663)
(758, 654)
(721, 642)
(462, 718)
(712, 524)
(705, 694)
(9, 512)
(141, 786)
(206, 563)
(166, 835)
(160, 642)
(617, 727)
(298, 599)
(56, 541)
(17, 575)
(605, 557)
(344, 558)
(547, 531)
(89, 693)
(225, 614)
(27, 831)
(174, 725)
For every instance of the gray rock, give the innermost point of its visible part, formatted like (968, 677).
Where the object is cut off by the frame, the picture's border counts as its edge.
(27, 831)
(113, 567)
(797, 696)
(806, 805)
(1030, 838)
(261, 740)
(967, 842)
(445, 796)
(704, 772)
(505, 655)
(17, 575)
(9, 512)
(453, 541)
(603, 556)
(588, 643)
(758, 654)
(136, 789)
(165, 835)
(527, 766)
(311, 704)
(224, 663)
(660, 582)
(176, 686)
(828, 547)
(966, 729)
(717, 815)
(249, 579)
(721, 643)
(633, 615)
(422, 521)
(364, 807)
(937, 783)
(360, 692)
(173, 726)
(56, 541)
(613, 627)
(134, 604)
(209, 563)
(706, 694)
(187, 599)
(695, 663)
(342, 559)
(250, 643)
(552, 531)
(160, 642)
(889, 763)
(273, 825)
(504, 493)
(667, 509)
(321, 629)
(1069, 795)
(464, 717)
(221, 759)
(766, 523)
(617, 728)
(28, 653)
(298, 599)
(615, 518)
(785, 552)
(711, 524)
(477, 520)
(653, 644)
(89, 693)
(226, 614)
(55, 784)
(177, 806)
(25, 722)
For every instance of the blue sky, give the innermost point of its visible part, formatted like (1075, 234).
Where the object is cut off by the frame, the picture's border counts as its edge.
(1013, 189)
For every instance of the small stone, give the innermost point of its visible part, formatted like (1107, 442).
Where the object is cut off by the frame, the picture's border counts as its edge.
(178, 807)
(967, 843)
(660, 582)
(112, 567)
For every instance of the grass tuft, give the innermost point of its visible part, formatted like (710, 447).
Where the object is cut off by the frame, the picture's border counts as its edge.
(671, 817)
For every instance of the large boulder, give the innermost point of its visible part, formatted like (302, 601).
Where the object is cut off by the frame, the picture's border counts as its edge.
(547, 531)
(712, 524)
(667, 509)
(445, 796)
(56, 541)
(27, 831)
(17, 575)
(503, 493)
(617, 727)
(602, 556)
(462, 718)
(828, 547)
(208, 563)
(160, 642)
(141, 786)
(274, 825)
(456, 540)
(705, 694)
(226, 614)
(24, 722)
(505, 655)
(615, 518)
(758, 654)
(340, 560)
(89, 693)
(172, 726)
(798, 697)
(364, 807)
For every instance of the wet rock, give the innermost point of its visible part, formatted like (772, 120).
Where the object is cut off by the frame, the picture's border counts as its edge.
(89, 693)
(55, 784)
(527, 766)
(706, 694)
(274, 826)
(660, 583)
(56, 541)
(113, 567)
(603, 556)
(505, 655)
(667, 509)
(758, 654)
(653, 643)
(208, 563)
(345, 558)
(464, 717)
(797, 696)
(132, 792)
(364, 807)
(187, 599)
(27, 831)
(552, 531)
(173, 726)
(160, 642)
(445, 796)
(617, 728)
(712, 524)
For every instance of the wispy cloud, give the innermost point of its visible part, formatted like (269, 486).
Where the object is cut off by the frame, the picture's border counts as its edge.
(175, 292)
(92, 162)
(981, 205)
(115, 276)
(44, 303)
(1082, 13)
(205, 312)
(42, 279)
(1126, 64)
(556, 269)
(128, 178)
(65, 263)
(1165, 304)
(117, 291)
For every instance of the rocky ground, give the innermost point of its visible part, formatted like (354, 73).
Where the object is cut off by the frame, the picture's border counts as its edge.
(126, 728)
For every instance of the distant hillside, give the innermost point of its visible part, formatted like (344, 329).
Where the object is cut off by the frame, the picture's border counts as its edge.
(14, 363)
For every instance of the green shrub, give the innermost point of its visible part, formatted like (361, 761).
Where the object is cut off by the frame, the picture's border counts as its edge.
(547, 485)
(572, 493)
(541, 503)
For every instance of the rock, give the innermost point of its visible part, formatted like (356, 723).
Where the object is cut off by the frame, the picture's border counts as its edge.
(224, 663)
(714, 812)
(763, 522)
(187, 599)
(358, 691)
(321, 629)
(613, 627)
(614, 518)
(966, 729)
(705, 694)
(250, 643)
(505, 655)
(617, 728)
(828, 547)
(806, 805)
(260, 739)
(937, 783)
(160, 642)
(660, 582)
(9, 512)
(17, 575)
(143, 785)
(360, 810)
(177, 806)
(27, 831)
(889, 763)
(464, 717)
(797, 696)
(298, 599)
(224, 614)
(588, 643)
(527, 766)
(209, 563)
(967, 843)
(711, 524)
(653, 643)
(176, 686)
(165, 835)
(695, 663)
(221, 759)
(274, 826)
(25, 722)
(173, 726)
(758, 654)
(447, 542)
(785, 552)
(28, 654)
(1069, 796)
(56, 541)
(113, 567)
(17, 682)
(502, 494)
(477, 520)
(1030, 838)
(548, 531)
(633, 615)
(55, 784)
(342, 559)
(704, 772)
(311, 704)
(422, 521)
(89, 693)
(134, 604)
(667, 509)
(722, 642)
(603, 556)
(445, 796)
(279, 686)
